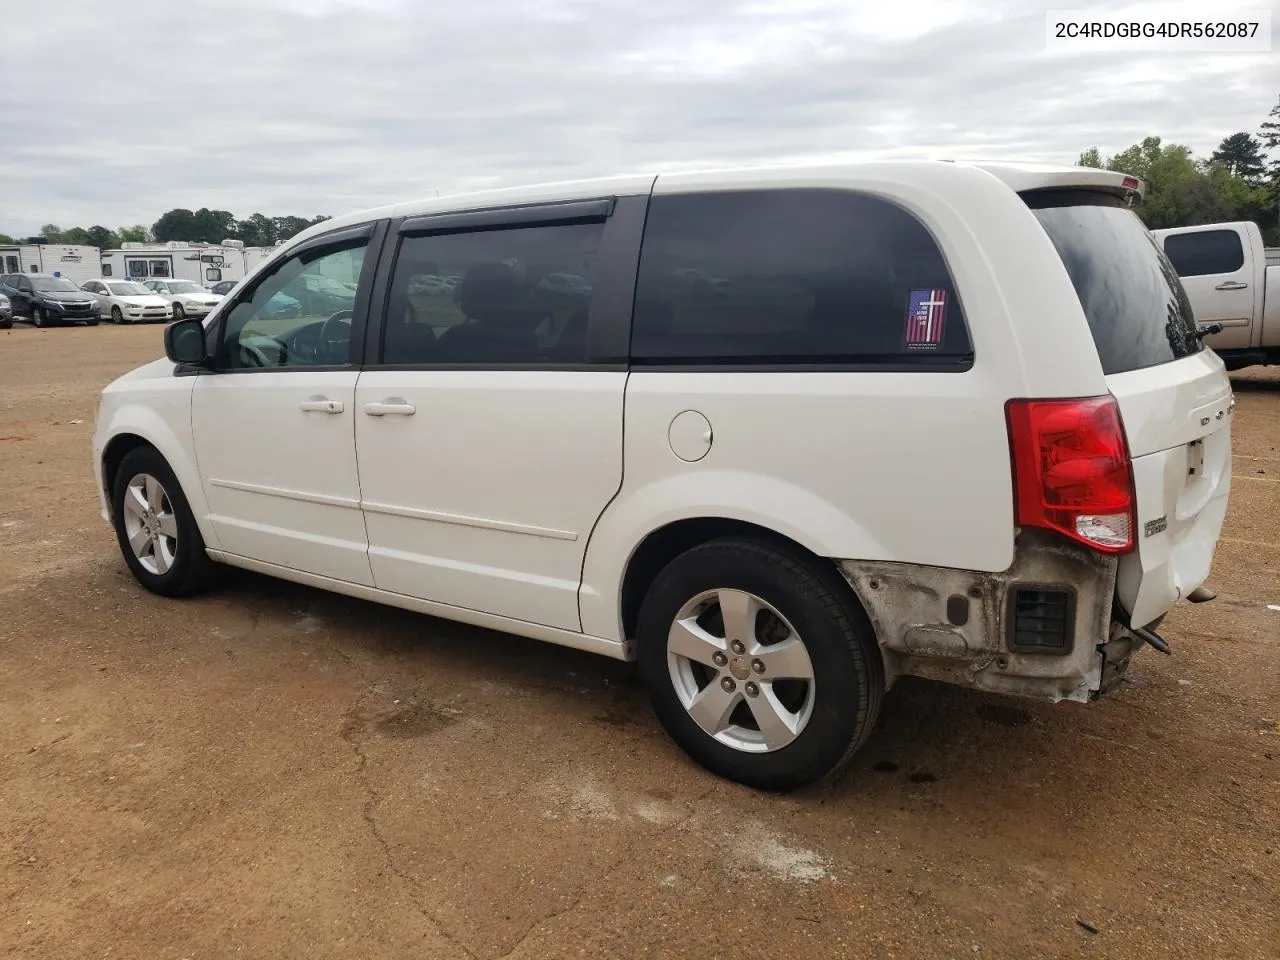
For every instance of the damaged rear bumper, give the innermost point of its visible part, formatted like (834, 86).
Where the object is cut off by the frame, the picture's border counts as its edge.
(979, 629)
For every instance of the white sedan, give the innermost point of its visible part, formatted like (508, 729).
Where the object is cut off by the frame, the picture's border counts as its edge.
(123, 301)
(189, 299)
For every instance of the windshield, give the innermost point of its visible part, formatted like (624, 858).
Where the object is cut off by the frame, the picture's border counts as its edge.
(184, 286)
(128, 289)
(1137, 310)
(53, 285)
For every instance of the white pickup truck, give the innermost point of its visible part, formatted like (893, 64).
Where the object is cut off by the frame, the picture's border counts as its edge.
(1233, 283)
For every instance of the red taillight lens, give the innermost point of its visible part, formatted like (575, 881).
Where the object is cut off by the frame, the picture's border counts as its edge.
(1071, 470)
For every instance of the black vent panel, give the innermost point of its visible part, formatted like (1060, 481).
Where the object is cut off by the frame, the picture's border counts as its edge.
(1041, 619)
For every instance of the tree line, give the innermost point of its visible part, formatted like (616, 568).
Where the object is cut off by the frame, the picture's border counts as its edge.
(210, 226)
(1238, 181)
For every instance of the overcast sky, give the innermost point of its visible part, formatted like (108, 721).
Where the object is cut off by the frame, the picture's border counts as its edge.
(113, 112)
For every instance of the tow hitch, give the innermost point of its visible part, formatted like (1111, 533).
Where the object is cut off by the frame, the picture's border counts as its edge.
(1153, 638)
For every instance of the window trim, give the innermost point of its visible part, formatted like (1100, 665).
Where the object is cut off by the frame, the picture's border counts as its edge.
(613, 280)
(375, 232)
(1244, 257)
(851, 363)
(511, 217)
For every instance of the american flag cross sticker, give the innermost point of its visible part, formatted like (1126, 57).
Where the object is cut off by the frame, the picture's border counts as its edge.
(926, 319)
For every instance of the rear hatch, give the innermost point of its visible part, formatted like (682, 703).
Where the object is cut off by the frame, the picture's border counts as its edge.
(1174, 396)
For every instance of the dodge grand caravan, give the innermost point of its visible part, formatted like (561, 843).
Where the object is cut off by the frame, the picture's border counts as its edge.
(782, 436)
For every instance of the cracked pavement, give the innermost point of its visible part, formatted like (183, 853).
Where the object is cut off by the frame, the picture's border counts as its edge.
(271, 771)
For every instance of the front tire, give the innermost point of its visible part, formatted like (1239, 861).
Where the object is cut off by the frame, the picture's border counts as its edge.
(178, 312)
(38, 317)
(117, 316)
(155, 528)
(758, 664)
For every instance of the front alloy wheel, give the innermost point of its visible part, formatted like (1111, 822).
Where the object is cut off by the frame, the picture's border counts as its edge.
(150, 524)
(38, 317)
(178, 312)
(154, 525)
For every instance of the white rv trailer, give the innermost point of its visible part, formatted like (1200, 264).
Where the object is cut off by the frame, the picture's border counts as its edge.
(76, 262)
(202, 263)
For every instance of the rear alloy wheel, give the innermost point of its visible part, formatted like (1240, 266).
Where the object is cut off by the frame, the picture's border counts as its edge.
(178, 312)
(116, 315)
(155, 527)
(758, 664)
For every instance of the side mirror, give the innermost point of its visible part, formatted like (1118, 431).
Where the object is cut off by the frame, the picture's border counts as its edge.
(184, 342)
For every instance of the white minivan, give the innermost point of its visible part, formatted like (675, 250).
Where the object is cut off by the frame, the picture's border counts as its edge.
(782, 436)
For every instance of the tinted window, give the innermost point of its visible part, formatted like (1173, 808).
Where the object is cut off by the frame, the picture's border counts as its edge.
(493, 297)
(106, 269)
(159, 268)
(136, 268)
(1137, 310)
(1198, 254)
(793, 276)
(298, 314)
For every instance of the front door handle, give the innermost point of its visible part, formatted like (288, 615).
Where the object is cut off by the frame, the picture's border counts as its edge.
(390, 408)
(321, 405)
(1232, 285)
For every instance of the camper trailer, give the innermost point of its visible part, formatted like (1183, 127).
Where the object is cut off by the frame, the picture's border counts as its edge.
(76, 262)
(202, 263)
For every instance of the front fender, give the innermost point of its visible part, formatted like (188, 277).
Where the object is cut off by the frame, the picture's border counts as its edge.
(158, 412)
(792, 511)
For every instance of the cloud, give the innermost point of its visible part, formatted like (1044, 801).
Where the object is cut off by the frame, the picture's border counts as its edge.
(117, 112)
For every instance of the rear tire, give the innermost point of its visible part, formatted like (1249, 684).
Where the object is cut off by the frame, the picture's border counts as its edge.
(155, 528)
(764, 714)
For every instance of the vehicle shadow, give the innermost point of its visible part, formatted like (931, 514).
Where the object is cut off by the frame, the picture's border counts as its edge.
(954, 744)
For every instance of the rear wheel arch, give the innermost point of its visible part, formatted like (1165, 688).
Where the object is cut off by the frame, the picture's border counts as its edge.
(664, 544)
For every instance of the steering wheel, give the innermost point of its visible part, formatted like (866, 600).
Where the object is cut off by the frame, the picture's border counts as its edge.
(335, 334)
(255, 357)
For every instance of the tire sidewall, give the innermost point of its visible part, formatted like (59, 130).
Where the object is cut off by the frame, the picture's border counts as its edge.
(117, 315)
(178, 313)
(836, 648)
(175, 580)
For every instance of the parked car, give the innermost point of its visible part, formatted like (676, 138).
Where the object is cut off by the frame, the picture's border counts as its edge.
(946, 420)
(223, 287)
(1233, 283)
(46, 299)
(6, 312)
(124, 301)
(188, 299)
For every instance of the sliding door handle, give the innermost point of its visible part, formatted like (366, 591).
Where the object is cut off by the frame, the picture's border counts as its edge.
(321, 405)
(390, 408)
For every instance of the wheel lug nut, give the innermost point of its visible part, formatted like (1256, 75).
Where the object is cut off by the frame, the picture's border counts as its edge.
(738, 647)
(719, 659)
(728, 684)
(757, 666)
(752, 690)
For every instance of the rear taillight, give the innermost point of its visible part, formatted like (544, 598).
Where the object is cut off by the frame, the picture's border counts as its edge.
(1071, 470)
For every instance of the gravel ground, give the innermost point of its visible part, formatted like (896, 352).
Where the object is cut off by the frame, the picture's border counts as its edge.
(271, 771)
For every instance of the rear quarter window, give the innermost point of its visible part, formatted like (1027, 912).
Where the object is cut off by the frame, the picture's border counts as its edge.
(786, 277)
(1132, 298)
(1205, 252)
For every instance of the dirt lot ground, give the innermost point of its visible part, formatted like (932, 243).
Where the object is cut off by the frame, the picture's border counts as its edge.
(270, 771)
